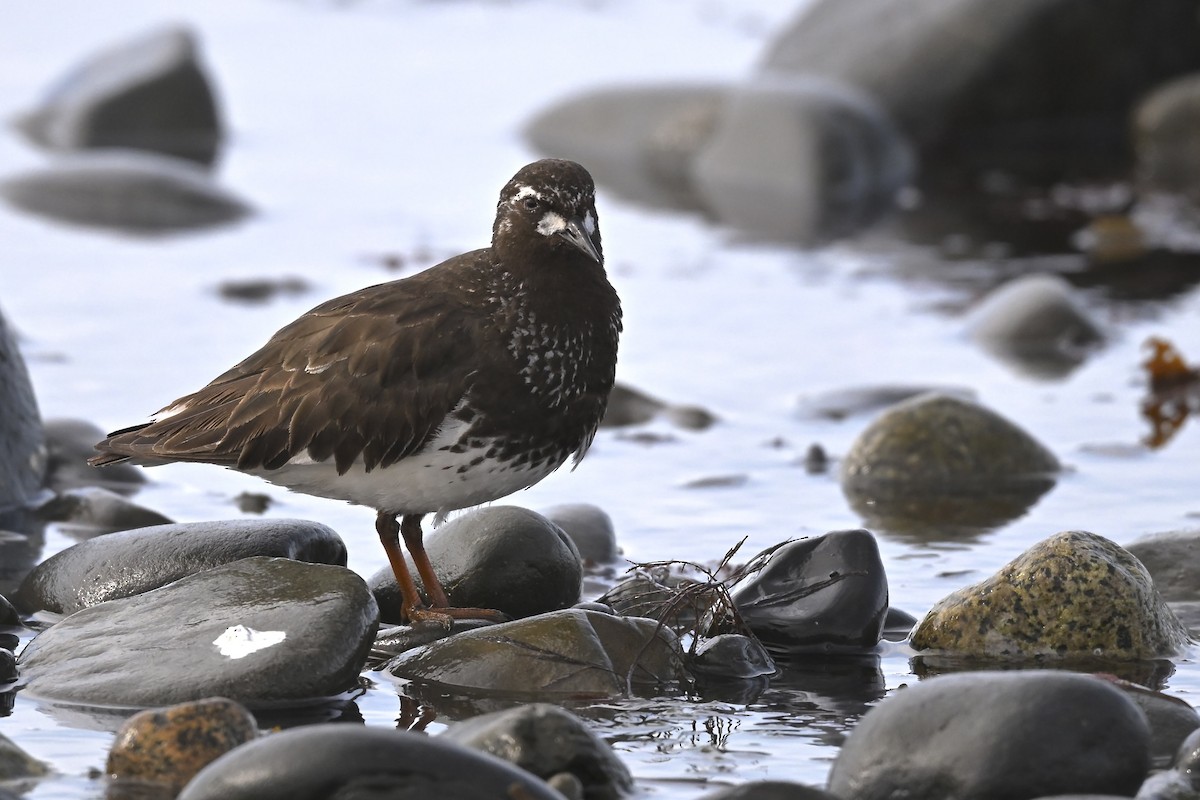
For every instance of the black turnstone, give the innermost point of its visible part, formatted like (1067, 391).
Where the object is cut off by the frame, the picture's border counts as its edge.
(443, 390)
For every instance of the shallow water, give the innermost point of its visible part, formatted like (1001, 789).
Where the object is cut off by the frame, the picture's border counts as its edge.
(363, 130)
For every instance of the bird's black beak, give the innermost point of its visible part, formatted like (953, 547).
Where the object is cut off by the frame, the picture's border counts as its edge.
(575, 233)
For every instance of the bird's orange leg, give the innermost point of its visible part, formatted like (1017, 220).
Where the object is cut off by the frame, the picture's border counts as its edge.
(439, 604)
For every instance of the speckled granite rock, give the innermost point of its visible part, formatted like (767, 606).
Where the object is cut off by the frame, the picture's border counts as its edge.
(1074, 594)
(168, 746)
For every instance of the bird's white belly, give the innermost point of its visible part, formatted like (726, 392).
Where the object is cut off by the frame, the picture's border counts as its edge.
(436, 480)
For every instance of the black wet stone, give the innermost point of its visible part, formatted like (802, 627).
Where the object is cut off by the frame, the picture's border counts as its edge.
(1016, 734)
(503, 557)
(150, 93)
(731, 656)
(131, 562)
(547, 740)
(259, 631)
(826, 593)
(571, 652)
(328, 762)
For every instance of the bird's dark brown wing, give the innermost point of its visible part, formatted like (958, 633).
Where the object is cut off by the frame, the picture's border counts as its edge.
(371, 374)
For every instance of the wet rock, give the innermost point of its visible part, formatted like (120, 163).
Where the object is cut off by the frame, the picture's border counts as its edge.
(259, 631)
(15, 763)
(346, 761)
(166, 747)
(570, 652)
(1171, 719)
(898, 624)
(151, 93)
(826, 593)
(70, 443)
(502, 557)
(589, 527)
(136, 193)
(801, 160)
(1173, 560)
(938, 463)
(22, 443)
(629, 406)
(132, 562)
(1165, 126)
(983, 87)
(640, 141)
(92, 510)
(996, 734)
(768, 790)
(8, 667)
(731, 656)
(1037, 324)
(8, 614)
(1073, 595)
(547, 740)
(839, 404)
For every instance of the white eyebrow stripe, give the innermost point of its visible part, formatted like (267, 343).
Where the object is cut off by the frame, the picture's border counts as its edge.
(527, 191)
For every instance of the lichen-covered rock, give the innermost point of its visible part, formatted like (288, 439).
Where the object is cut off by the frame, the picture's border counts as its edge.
(937, 461)
(168, 746)
(1073, 595)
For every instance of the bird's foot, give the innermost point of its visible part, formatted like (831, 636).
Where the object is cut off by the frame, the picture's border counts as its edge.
(444, 616)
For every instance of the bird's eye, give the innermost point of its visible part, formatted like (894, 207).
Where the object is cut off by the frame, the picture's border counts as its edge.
(531, 203)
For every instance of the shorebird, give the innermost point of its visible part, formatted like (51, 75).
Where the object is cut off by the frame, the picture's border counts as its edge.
(453, 387)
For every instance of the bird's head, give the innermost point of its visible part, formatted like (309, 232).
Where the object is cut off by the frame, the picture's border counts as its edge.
(549, 204)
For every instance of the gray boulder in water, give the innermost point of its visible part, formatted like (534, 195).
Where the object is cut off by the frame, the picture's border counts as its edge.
(151, 94)
(22, 443)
